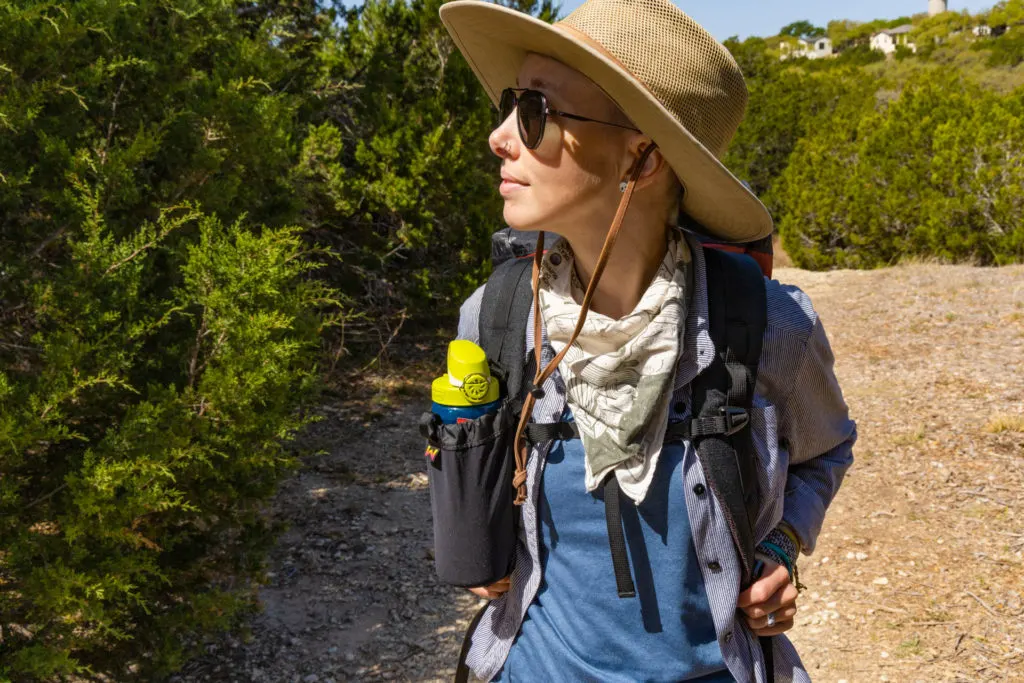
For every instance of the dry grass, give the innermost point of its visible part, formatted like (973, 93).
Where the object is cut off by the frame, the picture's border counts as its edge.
(1006, 423)
(917, 574)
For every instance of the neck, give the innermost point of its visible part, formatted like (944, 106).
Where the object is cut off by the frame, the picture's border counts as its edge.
(632, 264)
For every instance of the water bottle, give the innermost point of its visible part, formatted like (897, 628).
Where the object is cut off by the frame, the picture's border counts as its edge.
(470, 433)
(467, 391)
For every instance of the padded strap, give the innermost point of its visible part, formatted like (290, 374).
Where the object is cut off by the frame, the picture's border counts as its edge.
(723, 394)
(509, 243)
(503, 317)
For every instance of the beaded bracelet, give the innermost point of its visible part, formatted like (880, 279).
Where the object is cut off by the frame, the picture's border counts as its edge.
(779, 547)
(791, 535)
(778, 553)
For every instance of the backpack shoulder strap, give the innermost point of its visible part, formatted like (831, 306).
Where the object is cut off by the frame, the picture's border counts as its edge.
(724, 392)
(504, 313)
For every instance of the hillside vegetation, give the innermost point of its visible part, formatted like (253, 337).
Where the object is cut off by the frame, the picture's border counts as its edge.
(865, 160)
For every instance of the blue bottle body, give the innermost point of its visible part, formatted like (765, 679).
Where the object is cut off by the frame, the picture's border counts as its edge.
(454, 414)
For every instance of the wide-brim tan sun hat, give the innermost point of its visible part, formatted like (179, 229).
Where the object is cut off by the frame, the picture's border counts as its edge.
(674, 81)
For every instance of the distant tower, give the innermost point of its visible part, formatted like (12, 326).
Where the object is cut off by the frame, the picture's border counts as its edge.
(936, 7)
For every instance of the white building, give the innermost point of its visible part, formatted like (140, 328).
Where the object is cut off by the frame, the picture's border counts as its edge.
(821, 48)
(982, 30)
(817, 48)
(888, 40)
(936, 7)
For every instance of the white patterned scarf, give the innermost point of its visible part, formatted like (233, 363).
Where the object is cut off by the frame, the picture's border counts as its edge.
(619, 373)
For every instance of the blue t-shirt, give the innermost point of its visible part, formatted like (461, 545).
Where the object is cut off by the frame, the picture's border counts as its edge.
(578, 628)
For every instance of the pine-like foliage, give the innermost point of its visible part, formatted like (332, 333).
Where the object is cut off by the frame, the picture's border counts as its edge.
(159, 327)
(396, 172)
(937, 172)
(191, 191)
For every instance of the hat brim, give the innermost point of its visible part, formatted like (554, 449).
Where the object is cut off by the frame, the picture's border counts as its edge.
(495, 40)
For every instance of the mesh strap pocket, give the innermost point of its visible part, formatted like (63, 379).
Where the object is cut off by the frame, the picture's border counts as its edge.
(471, 497)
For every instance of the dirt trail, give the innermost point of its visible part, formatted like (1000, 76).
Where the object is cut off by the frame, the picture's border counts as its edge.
(917, 575)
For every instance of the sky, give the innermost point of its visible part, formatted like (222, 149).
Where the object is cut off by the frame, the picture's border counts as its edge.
(725, 18)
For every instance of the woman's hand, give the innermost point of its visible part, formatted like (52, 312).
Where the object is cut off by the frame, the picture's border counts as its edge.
(774, 594)
(495, 590)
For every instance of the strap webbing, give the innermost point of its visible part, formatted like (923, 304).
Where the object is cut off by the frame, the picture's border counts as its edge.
(727, 424)
(617, 538)
(462, 669)
(769, 658)
(537, 433)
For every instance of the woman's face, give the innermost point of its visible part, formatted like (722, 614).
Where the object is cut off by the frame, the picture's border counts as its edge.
(571, 181)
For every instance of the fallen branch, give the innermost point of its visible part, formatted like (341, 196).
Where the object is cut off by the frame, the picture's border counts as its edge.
(982, 603)
(46, 497)
(386, 344)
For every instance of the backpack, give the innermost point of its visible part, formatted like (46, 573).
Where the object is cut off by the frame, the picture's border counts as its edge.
(722, 394)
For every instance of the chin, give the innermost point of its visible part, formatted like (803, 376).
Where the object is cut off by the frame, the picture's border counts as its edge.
(526, 219)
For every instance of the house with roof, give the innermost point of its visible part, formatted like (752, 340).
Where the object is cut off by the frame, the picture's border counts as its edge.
(811, 48)
(888, 40)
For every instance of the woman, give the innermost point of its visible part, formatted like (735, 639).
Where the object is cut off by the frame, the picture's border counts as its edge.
(618, 115)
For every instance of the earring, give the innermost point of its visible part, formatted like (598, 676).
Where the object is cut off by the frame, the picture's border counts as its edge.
(622, 186)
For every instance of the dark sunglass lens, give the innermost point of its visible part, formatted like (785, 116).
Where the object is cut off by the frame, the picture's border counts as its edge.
(531, 117)
(508, 103)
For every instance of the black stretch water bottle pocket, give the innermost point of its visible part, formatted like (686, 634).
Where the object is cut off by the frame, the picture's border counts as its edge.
(471, 496)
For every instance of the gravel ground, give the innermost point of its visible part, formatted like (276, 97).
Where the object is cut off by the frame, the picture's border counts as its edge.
(917, 575)
(352, 594)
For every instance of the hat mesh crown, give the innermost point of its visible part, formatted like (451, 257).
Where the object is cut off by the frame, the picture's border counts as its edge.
(681, 64)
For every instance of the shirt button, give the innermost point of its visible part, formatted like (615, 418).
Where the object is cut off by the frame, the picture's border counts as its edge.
(699, 489)
(728, 636)
(714, 566)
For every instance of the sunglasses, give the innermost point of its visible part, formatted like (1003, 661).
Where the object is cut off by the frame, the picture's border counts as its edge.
(533, 111)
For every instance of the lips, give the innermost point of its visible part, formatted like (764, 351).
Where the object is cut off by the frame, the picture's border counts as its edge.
(505, 177)
(509, 186)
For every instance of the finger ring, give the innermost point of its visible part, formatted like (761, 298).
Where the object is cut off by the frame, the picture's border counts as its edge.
(771, 619)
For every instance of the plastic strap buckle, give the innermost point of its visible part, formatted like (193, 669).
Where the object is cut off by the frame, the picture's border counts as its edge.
(735, 419)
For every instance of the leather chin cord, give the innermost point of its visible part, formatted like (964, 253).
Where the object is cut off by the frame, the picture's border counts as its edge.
(536, 391)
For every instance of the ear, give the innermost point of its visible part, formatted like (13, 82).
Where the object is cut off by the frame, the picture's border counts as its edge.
(653, 164)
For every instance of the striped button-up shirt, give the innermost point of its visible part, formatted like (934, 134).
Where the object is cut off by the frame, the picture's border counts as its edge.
(804, 440)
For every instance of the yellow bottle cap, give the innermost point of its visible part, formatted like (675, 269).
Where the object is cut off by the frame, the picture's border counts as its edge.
(469, 381)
